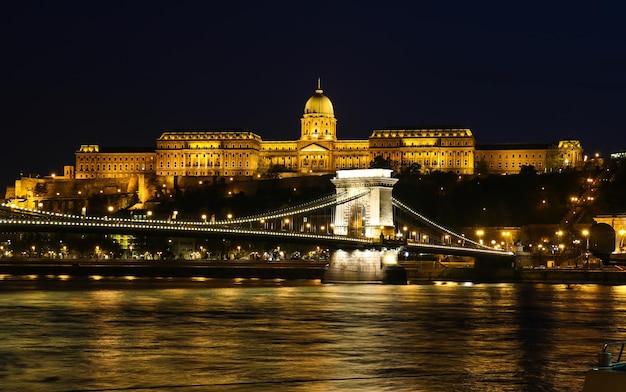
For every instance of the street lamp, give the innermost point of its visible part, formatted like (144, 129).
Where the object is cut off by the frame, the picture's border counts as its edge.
(480, 234)
(506, 235)
(586, 235)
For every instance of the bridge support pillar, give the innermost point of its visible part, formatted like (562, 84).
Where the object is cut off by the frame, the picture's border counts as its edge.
(365, 266)
(371, 214)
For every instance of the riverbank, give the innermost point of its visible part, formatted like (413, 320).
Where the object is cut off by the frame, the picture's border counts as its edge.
(49, 272)
(129, 269)
(429, 272)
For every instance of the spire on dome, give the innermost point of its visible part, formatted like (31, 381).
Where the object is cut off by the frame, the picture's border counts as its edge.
(319, 86)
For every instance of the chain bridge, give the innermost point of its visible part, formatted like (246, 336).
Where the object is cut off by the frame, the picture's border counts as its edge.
(361, 214)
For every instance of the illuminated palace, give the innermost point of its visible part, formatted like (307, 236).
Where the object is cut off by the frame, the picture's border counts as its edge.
(239, 153)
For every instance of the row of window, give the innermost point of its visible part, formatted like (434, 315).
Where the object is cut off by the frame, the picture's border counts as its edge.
(111, 159)
(165, 146)
(114, 167)
(405, 144)
(506, 156)
(226, 155)
(435, 153)
(208, 173)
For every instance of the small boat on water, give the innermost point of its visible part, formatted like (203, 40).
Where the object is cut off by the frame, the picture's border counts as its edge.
(609, 376)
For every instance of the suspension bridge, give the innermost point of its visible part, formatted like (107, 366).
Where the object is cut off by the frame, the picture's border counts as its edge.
(362, 213)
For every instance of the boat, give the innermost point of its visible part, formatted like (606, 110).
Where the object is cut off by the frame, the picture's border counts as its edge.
(609, 375)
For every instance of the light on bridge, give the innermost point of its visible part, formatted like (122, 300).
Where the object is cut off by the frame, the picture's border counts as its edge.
(480, 234)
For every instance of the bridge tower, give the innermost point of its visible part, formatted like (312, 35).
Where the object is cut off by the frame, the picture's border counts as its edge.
(370, 215)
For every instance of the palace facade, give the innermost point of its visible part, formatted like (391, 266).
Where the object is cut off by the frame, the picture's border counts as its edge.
(241, 153)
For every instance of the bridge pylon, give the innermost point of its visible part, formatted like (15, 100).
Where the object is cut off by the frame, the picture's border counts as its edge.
(367, 212)
(371, 215)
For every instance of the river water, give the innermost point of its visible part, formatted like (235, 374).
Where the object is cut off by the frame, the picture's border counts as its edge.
(305, 336)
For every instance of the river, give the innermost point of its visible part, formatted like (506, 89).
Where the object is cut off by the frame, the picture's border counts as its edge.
(305, 336)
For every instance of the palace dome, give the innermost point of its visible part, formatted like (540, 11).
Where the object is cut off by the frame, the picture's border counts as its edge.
(319, 104)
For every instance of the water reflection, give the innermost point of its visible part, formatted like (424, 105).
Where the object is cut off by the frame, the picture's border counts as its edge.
(307, 337)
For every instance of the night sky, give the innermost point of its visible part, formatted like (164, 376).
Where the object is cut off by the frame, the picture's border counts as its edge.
(121, 73)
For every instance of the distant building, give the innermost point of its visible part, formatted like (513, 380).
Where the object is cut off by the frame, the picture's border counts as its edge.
(93, 161)
(510, 158)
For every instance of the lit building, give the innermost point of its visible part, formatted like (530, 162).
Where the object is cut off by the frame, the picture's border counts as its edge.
(443, 149)
(207, 153)
(510, 158)
(92, 162)
(240, 153)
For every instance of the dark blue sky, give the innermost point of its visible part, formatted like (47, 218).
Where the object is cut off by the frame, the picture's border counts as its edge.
(119, 74)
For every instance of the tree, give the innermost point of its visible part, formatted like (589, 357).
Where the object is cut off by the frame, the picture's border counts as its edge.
(482, 168)
(411, 170)
(553, 160)
(527, 170)
(379, 162)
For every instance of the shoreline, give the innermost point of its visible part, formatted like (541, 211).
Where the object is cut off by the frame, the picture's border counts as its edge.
(50, 273)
